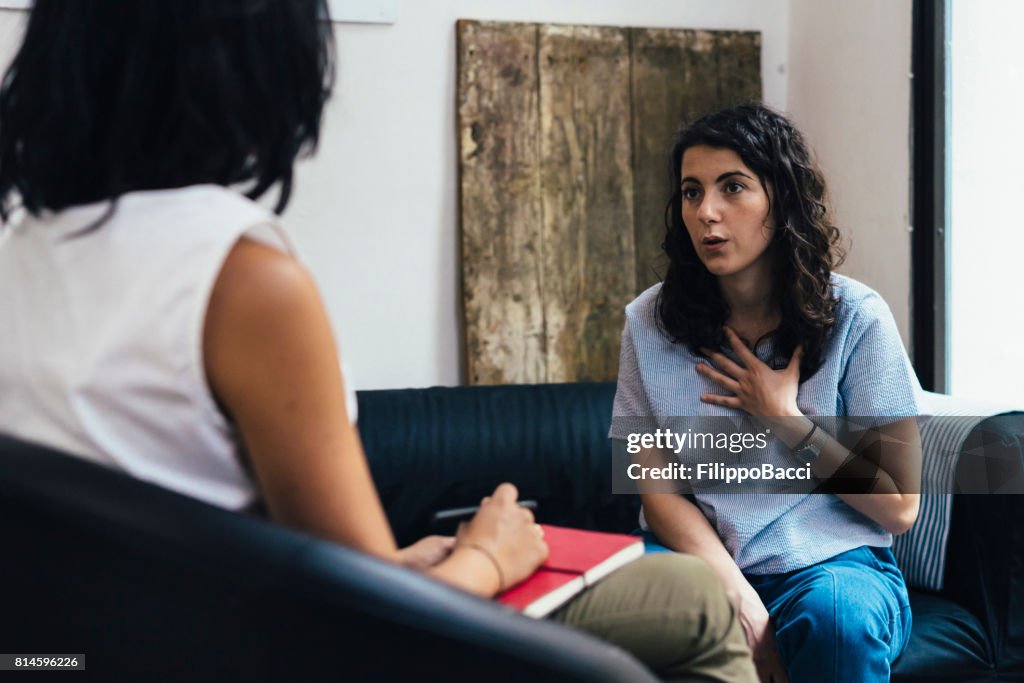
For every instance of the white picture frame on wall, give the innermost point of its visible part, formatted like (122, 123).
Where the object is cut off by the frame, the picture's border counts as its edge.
(354, 11)
(364, 11)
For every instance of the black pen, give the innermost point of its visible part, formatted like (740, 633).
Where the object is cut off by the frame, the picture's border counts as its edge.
(466, 513)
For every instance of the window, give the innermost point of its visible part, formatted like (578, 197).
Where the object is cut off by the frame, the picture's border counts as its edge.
(969, 187)
(986, 185)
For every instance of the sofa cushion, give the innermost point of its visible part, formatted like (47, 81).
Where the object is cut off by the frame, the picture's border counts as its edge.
(947, 643)
(455, 444)
(955, 460)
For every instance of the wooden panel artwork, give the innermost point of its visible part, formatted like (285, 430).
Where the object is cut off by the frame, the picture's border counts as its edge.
(678, 76)
(563, 139)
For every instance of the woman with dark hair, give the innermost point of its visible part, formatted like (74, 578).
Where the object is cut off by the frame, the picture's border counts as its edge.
(752, 320)
(157, 321)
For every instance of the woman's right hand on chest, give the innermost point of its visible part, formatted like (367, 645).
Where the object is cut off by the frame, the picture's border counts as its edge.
(508, 532)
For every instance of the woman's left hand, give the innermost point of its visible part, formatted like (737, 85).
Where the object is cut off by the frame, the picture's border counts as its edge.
(426, 552)
(756, 388)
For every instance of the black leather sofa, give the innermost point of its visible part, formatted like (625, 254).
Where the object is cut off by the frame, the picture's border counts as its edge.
(153, 586)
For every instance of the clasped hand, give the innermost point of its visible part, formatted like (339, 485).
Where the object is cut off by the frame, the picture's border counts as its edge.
(427, 552)
(502, 530)
(756, 388)
(508, 532)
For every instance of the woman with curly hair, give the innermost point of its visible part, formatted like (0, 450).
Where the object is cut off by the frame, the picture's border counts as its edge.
(752, 320)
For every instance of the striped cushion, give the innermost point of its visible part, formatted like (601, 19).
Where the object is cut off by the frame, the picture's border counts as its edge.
(945, 424)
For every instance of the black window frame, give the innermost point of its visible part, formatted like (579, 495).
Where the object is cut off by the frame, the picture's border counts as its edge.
(929, 194)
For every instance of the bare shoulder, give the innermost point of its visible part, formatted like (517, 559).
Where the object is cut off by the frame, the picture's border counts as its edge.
(266, 329)
(256, 279)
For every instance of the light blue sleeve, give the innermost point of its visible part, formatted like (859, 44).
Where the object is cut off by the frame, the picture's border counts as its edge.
(877, 380)
(630, 397)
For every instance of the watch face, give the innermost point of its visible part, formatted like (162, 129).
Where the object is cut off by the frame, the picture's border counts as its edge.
(810, 452)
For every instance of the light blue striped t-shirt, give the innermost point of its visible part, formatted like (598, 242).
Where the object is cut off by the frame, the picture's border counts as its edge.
(865, 372)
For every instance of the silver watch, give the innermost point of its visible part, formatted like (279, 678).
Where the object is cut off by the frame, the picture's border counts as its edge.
(812, 449)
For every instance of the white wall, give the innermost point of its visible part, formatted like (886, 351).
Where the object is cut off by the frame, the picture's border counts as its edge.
(849, 92)
(375, 213)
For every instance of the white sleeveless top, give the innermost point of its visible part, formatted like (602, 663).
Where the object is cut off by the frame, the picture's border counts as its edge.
(101, 341)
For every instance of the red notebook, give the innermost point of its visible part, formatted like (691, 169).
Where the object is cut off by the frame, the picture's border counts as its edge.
(576, 559)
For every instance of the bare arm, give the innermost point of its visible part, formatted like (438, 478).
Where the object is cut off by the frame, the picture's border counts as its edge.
(889, 454)
(271, 361)
(680, 525)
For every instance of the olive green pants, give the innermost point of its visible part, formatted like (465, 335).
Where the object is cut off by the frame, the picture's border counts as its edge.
(671, 612)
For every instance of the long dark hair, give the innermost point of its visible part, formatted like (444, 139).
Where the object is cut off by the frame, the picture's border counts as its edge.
(805, 245)
(106, 97)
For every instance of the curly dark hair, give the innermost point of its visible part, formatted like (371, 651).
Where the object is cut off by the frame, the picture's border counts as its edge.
(105, 98)
(805, 245)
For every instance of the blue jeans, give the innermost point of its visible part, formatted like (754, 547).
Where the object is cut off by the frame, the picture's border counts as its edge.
(846, 619)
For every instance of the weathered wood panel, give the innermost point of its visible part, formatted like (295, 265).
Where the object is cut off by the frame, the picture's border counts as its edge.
(678, 75)
(500, 202)
(563, 140)
(739, 67)
(586, 198)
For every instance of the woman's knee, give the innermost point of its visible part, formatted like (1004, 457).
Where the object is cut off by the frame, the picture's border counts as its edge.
(837, 610)
(672, 613)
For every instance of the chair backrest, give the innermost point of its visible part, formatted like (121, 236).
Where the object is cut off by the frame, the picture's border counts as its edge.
(151, 585)
(444, 447)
